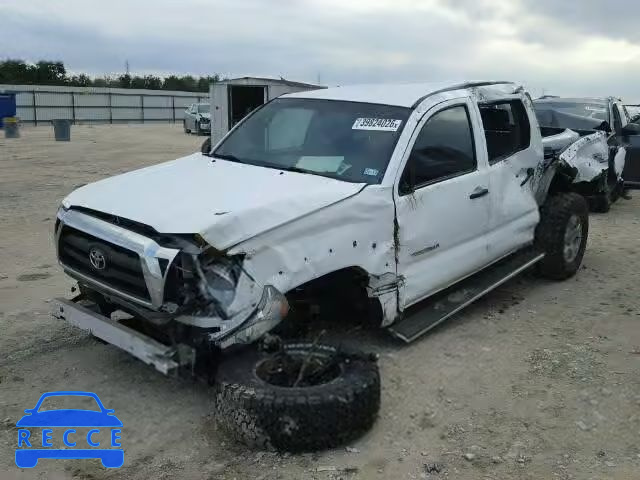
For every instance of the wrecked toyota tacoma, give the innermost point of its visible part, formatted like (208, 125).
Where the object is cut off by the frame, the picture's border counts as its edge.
(398, 204)
(602, 145)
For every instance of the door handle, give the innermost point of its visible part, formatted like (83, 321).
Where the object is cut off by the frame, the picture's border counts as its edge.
(479, 192)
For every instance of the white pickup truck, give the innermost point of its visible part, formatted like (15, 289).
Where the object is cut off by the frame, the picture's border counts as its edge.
(401, 204)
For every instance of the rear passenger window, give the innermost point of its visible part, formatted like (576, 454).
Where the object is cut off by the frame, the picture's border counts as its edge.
(444, 148)
(506, 128)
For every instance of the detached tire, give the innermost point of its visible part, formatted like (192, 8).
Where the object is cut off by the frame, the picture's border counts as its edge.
(264, 415)
(562, 235)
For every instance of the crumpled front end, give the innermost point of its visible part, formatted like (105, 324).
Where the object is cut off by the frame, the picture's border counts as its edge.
(595, 163)
(589, 156)
(220, 296)
(182, 287)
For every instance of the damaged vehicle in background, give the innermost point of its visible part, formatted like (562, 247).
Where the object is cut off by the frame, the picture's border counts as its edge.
(396, 206)
(606, 147)
(197, 119)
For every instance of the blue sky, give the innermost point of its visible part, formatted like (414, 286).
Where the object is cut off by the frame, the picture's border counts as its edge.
(570, 47)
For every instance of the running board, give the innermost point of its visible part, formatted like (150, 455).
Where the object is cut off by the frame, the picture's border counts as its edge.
(429, 313)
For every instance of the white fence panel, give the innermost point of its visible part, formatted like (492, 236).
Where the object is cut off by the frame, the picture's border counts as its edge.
(42, 103)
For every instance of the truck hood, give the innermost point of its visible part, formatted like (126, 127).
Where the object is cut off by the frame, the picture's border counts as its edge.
(225, 202)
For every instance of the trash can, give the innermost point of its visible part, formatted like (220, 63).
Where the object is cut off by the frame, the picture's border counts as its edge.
(11, 127)
(62, 130)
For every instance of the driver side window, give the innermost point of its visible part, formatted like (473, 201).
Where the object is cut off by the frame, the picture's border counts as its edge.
(443, 149)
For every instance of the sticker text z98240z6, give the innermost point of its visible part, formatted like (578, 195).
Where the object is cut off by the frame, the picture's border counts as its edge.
(381, 124)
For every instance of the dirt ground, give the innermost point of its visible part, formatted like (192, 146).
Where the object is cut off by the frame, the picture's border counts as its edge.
(538, 380)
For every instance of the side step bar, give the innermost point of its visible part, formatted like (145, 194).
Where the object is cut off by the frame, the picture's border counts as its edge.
(164, 358)
(429, 313)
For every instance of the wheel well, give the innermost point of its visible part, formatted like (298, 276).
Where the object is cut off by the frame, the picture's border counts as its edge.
(562, 181)
(338, 296)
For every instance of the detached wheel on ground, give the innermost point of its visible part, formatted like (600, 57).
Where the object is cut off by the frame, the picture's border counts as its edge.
(305, 397)
(562, 235)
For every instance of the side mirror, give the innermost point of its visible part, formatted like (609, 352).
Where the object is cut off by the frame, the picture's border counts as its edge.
(631, 129)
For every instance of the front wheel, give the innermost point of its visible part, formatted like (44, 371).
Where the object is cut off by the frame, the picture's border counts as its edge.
(562, 235)
(305, 397)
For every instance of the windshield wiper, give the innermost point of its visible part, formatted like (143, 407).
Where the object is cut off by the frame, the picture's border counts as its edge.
(291, 169)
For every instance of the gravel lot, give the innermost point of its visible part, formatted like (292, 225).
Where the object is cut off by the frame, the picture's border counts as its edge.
(537, 381)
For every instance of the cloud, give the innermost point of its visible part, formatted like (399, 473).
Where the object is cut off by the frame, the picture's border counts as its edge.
(557, 46)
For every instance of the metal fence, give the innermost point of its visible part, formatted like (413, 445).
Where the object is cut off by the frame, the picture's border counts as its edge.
(37, 104)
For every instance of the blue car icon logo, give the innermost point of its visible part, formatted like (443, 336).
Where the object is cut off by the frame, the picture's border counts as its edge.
(68, 419)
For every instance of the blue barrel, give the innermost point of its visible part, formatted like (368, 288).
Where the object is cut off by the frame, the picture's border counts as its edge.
(62, 130)
(7, 106)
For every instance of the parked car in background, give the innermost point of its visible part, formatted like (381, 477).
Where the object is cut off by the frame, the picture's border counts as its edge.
(197, 119)
(600, 119)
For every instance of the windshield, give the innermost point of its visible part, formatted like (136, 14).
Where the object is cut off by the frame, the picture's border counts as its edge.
(203, 108)
(572, 115)
(344, 140)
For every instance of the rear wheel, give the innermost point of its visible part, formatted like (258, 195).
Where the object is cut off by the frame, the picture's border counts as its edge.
(305, 397)
(562, 235)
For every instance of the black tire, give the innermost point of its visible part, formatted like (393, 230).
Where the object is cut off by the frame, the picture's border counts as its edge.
(297, 419)
(206, 146)
(556, 218)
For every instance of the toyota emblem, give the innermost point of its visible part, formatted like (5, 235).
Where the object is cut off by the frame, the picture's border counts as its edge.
(97, 258)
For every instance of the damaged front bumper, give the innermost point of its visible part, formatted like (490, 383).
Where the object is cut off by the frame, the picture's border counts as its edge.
(195, 294)
(169, 359)
(165, 359)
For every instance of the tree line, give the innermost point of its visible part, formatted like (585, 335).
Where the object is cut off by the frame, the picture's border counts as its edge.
(46, 72)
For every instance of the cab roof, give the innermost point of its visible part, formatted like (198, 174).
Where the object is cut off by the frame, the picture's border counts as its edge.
(401, 95)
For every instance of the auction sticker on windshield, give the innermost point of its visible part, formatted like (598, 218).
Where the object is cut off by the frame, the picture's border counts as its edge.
(380, 124)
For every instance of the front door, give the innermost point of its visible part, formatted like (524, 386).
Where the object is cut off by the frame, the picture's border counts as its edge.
(442, 202)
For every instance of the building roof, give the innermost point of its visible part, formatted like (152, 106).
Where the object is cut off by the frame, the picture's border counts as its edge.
(402, 95)
(270, 80)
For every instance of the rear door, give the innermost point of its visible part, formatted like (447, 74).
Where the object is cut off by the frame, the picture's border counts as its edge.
(514, 151)
(442, 202)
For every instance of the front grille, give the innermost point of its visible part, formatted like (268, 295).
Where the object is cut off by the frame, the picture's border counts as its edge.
(123, 269)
